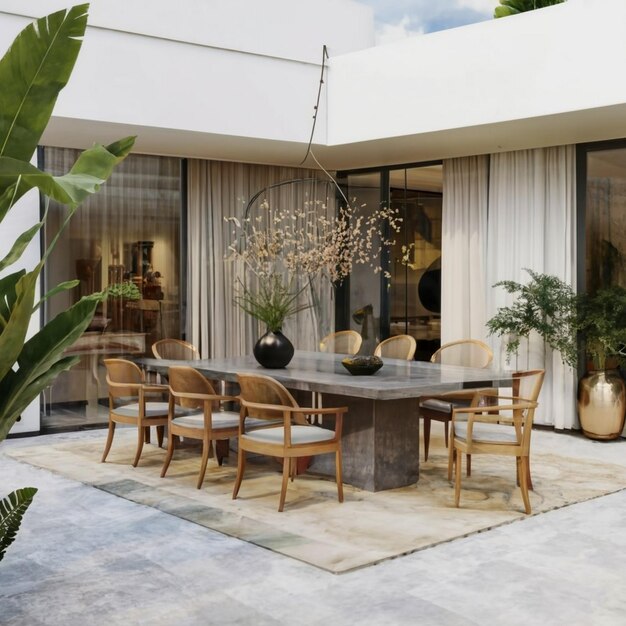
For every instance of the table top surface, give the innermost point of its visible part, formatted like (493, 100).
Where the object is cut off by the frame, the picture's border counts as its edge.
(317, 371)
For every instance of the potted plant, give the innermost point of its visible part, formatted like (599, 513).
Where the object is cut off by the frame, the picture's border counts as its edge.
(118, 294)
(601, 391)
(545, 305)
(271, 303)
(32, 73)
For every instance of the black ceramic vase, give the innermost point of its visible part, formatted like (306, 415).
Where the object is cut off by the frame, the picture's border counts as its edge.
(273, 350)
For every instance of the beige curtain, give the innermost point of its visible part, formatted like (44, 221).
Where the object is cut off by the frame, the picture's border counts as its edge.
(502, 214)
(215, 324)
(464, 245)
(532, 225)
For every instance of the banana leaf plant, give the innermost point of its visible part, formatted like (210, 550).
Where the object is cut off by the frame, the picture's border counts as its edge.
(512, 7)
(32, 73)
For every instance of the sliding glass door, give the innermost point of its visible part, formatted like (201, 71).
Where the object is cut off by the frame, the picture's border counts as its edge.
(127, 239)
(406, 297)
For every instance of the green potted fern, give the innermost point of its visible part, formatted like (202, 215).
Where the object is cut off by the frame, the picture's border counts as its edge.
(545, 305)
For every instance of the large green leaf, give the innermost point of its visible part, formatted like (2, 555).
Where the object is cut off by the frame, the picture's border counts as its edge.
(14, 333)
(32, 73)
(12, 509)
(90, 170)
(39, 357)
(22, 400)
(8, 295)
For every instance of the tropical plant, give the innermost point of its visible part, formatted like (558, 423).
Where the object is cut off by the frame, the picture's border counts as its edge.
(545, 305)
(512, 7)
(12, 509)
(32, 72)
(602, 324)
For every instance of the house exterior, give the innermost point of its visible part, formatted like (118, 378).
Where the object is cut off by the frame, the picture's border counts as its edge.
(501, 142)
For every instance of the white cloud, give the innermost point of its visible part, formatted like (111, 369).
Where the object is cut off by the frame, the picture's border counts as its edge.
(397, 19)
(387, 33)
(478, 5)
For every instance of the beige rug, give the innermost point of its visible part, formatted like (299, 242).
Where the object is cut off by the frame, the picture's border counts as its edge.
(366, 529)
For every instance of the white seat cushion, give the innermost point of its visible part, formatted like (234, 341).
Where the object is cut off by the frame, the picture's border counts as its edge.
(299, 434)
(486, 433)
(221, 419)
(153, 409)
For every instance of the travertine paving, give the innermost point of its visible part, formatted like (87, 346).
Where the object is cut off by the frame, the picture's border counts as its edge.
(84, 556)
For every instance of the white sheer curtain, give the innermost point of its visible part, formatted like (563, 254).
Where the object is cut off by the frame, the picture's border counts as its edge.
(464, 244)
(532, 225)
(216, 325)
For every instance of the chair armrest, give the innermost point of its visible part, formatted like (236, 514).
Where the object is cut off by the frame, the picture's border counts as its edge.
(203, 396)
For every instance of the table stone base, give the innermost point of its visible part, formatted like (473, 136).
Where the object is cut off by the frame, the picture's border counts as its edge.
(380, 443)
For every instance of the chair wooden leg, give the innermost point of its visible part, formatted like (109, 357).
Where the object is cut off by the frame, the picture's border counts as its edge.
(140, 437)
(426, 437)
(241, 466)
(147, 434)
(283, 490)
(160, 432)
(338, 475)
(221, 450)
(206, 447)
(524, 484)
(528, 477)
(468, 469)
(171, 444)
(107, 447)
(451, 457)
(293, 468)
(457, 482)
(446, 428)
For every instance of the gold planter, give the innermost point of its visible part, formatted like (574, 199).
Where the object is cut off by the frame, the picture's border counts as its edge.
(602, 404)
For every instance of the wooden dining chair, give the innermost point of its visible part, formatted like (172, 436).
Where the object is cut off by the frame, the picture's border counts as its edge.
(397, 347)
(204, 417)
(130, 403)
(175, 350)
(465, 353)
(264, 398)
(494, 425)
(342, 342)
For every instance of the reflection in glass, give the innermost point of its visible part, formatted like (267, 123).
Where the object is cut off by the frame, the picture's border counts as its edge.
(126, 237)
(605, 219)
(415, 266)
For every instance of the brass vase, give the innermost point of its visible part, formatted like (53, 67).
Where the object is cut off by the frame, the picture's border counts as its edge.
(602, 404)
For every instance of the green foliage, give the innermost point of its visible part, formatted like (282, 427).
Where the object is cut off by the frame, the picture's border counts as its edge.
(272, 302)
(32, 73)
(513, 7)
(545, 305)
(12, 509)
(602, 324)
(126, 289)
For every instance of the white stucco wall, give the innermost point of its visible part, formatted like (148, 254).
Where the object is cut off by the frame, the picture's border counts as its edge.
(542, 63)
(220, 68)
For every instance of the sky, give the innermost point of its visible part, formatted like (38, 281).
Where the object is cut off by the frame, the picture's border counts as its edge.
(397, 19)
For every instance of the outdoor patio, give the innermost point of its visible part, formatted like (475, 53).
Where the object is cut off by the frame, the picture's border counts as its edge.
(86, 556)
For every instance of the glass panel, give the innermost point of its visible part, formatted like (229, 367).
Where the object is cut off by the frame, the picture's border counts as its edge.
(127, 235)
(364, 296)
(606, 219)
(415, 292)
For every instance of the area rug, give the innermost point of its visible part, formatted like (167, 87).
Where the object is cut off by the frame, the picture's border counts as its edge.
(366, 529)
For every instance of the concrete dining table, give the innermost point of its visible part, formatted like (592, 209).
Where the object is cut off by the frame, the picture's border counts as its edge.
(380, 441)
